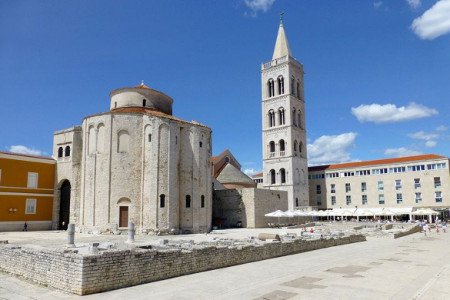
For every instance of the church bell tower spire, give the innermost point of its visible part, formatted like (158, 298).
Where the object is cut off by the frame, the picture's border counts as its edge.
(281, 45)
(285, 165)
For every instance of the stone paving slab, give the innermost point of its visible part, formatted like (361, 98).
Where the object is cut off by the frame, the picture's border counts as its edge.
(423, 275)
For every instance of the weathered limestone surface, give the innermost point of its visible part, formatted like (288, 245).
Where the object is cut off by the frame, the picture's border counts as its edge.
(136, 163)
(248, 205)
(113, 269)
(407, 232)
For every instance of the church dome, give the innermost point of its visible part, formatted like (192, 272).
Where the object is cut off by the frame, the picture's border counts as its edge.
(141, 96)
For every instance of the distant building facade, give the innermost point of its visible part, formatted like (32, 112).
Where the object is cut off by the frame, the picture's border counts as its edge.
(136, 163)
(26, 191)
(414, 181)
(236, 200)
(227, 172)
(285, 164)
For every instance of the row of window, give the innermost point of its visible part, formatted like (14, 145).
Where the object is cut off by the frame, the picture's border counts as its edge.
(393, 170)
(273, 176)
(64, 152)
(188, 201)
(381, 198)
(295, 87)
(32, 179)
(272, 116)
(380, 185)
(282, 148)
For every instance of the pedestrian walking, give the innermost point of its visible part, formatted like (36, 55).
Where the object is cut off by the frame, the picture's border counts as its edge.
(25, 226)
(425, 228)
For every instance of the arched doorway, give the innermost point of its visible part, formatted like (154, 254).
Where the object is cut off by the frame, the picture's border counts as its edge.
(64, 205)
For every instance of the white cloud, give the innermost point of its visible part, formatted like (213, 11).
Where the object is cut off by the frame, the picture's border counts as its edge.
(430, 144)
(259, 5)
(251, 172)
(434, 22)
(422, 135)
(329, 149)
(399, 152)
(429, 137)
(24, 150)
(390, 113)
(414, 3)
(377, 4)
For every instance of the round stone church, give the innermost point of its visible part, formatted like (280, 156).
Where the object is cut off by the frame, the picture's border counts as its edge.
(136, 162)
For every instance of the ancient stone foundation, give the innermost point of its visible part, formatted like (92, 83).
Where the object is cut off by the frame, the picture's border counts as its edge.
(112, 269)
(407, 232)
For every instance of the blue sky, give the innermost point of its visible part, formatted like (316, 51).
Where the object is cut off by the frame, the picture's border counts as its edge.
(377, 80)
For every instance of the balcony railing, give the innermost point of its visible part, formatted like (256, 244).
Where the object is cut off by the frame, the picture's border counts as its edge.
(275, 62)
(282, 153)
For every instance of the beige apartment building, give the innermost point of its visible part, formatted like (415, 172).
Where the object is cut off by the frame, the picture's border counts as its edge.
(414, 181)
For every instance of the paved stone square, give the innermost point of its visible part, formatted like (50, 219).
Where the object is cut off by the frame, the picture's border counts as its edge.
(367, 270)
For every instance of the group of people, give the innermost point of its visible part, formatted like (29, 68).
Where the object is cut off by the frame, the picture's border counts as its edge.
(439, 225)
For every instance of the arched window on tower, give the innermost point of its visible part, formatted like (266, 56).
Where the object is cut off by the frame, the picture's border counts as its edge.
(270, 88)
(293, 86)
(67, 151)
(281, 118)
(299, 121)
(188, 201)
(271, 118)
(300, 148)
(283, 175)
(298, 89)
(282, 145)
(272, 176)
(271, 149)
(295, 147)
(294, 117)
(60, 152)
(280, 85)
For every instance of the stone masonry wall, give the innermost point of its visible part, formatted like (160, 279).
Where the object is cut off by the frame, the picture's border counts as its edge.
(248, 205)
(407, 232)
(44, 266)
(113, 269)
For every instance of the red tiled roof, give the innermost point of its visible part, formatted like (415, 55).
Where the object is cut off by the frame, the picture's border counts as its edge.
(260, 174)
(26, 155)
(376, 162)
(318, 168)
(146, 111)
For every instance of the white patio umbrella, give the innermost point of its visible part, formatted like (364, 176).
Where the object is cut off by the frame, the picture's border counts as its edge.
(300, 213)
(424, 211)
(289, 214)
(276, 214)
(362, 212)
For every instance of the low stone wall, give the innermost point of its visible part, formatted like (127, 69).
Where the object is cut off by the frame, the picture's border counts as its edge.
(412, 230)
(113, 269)
(48, 267)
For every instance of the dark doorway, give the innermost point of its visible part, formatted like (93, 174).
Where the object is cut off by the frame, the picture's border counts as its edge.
(123, 216)
(64, 205)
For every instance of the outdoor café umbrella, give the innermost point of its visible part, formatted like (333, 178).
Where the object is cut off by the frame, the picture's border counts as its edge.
(424, 212)
(276, 214)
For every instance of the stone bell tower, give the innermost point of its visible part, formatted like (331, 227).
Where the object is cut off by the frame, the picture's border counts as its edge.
(285, 163)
